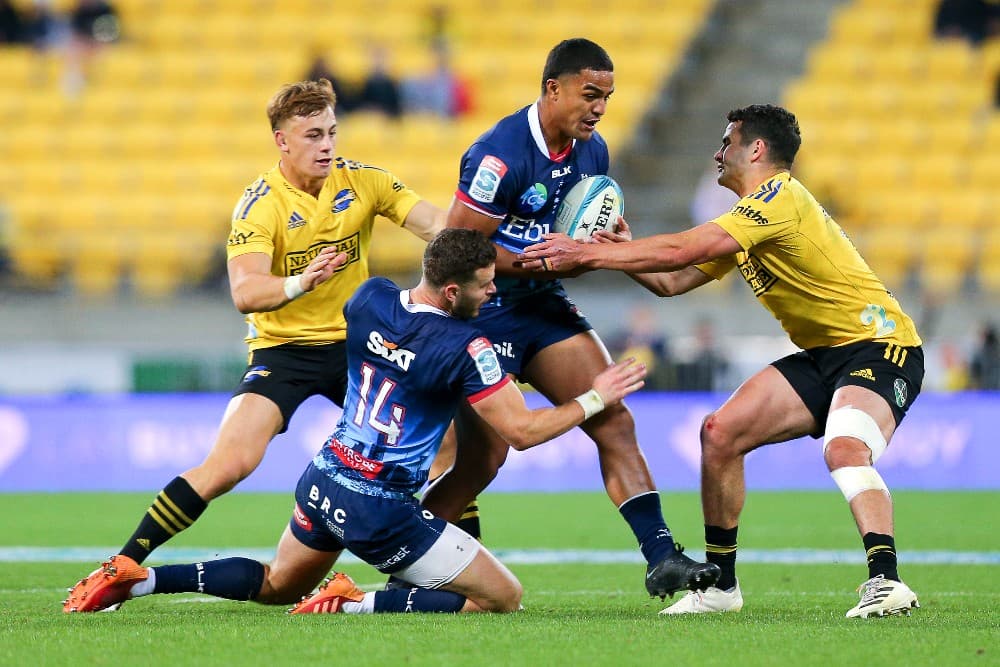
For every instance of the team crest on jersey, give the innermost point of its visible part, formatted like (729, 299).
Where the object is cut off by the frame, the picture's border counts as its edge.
(482, 352)
(534, 198)
(342, 200)
(899, 390)
(486, 182)
(390, 351)
(256, 372)
(295, 221)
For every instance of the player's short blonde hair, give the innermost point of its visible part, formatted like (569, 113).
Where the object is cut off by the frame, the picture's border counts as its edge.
(303, 98)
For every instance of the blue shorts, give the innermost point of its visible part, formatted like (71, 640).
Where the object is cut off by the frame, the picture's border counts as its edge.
(521, 329)
(388, 534)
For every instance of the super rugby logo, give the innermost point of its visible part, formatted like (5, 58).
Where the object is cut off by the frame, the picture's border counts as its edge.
(390, 351)
(487, 364)
(486, 182)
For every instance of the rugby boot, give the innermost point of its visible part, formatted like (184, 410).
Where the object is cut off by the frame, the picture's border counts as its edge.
(678, 572)
(883, 597)
(710, 600)
(106, 587)
(332, 593)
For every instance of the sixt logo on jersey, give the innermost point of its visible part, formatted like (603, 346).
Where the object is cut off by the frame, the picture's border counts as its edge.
(485, 356)
(751, 214)
(390, 351)
(534, 198)
(486, 182)
(342, 200)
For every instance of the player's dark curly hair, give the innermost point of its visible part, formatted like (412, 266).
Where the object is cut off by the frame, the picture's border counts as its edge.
(776, 126)
(303, 98)
(572, 56)
(454, 255)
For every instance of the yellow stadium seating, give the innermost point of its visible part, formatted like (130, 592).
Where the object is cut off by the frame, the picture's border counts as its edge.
(170, 126)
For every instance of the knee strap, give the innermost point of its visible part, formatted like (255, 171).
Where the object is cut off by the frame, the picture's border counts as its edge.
(854, 423)
(853, 480)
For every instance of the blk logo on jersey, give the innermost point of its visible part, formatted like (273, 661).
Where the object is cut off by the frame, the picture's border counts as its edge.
(482, 352)
(342, 200)
(486, 182)
(390, 351)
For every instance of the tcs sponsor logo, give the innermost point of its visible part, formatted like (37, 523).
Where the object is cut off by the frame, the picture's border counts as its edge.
(534, 198)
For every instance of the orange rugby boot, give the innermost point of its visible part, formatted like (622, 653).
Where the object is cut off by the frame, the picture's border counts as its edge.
(105, 587)
(331, 594)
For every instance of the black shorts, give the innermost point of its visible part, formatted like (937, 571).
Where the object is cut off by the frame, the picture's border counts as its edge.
(893, 372)
(289, 374)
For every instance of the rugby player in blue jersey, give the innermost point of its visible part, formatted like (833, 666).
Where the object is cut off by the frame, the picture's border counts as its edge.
(512, 180)
(413, 357)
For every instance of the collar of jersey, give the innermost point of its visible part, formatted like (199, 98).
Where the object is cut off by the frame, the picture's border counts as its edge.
(536, 133)
(404, 300)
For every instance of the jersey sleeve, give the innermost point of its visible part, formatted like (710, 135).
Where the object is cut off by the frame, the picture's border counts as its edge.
(718, 268)
(487, 181)
(254, 223)
(392, 198)
(767, 213)
(480, 369)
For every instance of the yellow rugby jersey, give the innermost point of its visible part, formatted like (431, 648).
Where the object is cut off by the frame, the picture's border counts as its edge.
(292, 226)
(804, 269)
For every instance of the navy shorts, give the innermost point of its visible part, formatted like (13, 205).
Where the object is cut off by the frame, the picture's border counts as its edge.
(895, 373)
(520, 330)
(289, 374)
(388, 534)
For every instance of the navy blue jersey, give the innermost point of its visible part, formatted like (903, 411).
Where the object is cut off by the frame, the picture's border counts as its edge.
(409, 365)
(509, 174)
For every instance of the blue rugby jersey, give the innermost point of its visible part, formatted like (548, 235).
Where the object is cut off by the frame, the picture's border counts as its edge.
(409, 365)
(509, 174)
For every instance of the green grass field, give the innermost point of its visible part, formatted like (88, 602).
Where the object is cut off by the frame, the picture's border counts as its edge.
(576, 612)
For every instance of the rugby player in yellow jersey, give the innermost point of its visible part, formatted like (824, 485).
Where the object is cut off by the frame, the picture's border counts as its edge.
(860, 369)
(297, 250)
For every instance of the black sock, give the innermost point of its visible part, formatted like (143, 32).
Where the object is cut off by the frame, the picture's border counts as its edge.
(469, 521)
(230, 578)
(176, 507)
(881, 551)
(645, 517)
(407, 600)
(720, 548)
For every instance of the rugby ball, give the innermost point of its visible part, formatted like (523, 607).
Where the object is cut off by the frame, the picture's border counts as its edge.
(590, 206)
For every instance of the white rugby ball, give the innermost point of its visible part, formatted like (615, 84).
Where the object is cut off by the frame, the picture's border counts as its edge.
(590, 206)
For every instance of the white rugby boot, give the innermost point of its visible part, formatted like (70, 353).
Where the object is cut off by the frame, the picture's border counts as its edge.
(883, 597)
(710, 600)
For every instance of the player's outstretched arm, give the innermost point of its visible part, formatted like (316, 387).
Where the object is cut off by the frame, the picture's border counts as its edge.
(662, 252)
(506, 411)
(425, 220)
(256, 290)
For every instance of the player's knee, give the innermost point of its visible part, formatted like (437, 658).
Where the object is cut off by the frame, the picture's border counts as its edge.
(852, 438)
(717, 440)
(507, 599)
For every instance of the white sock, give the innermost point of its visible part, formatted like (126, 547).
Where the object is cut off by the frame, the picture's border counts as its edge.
(144, 587)
(366, 606)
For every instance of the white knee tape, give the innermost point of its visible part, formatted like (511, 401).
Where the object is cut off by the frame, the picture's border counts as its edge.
(855, 423)
(852, 480)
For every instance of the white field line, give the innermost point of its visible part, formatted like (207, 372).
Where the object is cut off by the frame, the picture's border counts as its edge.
(512, 556)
